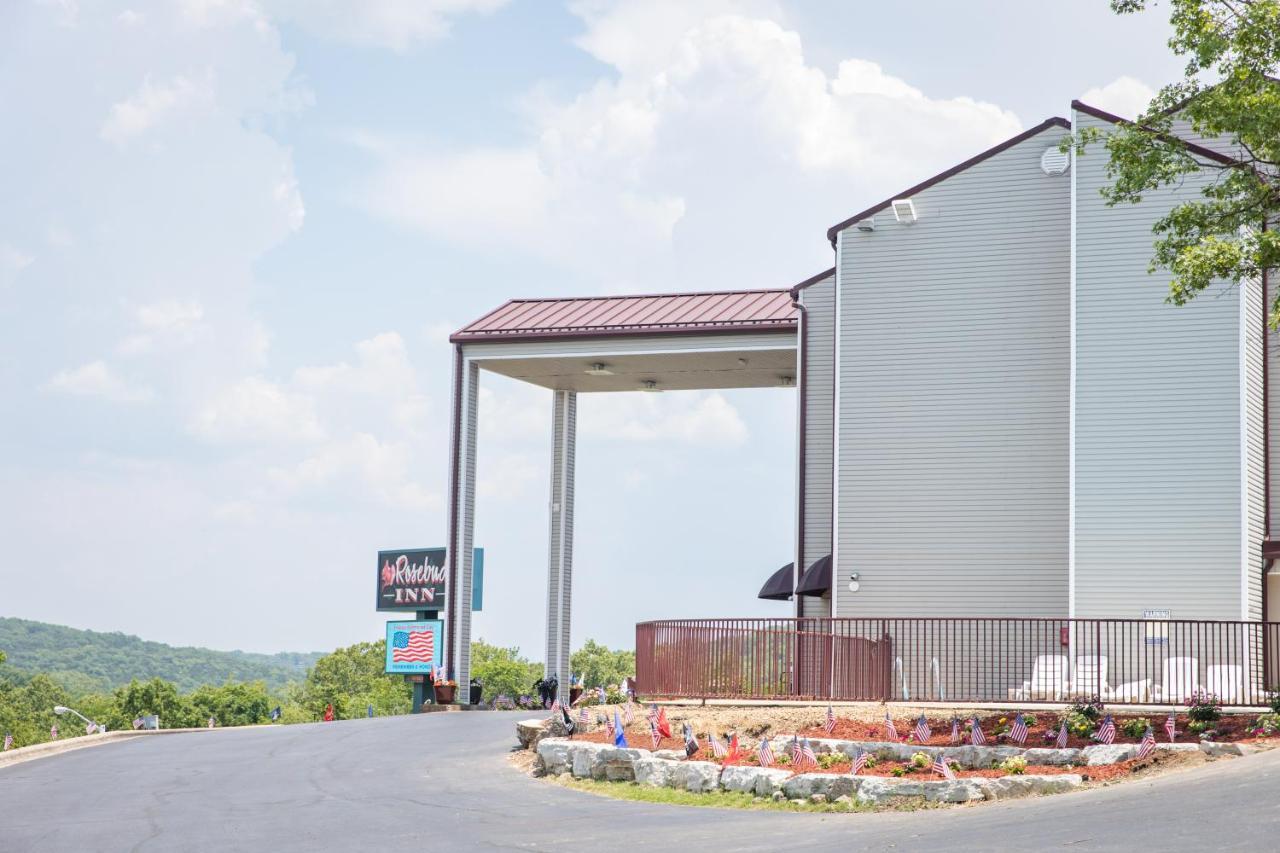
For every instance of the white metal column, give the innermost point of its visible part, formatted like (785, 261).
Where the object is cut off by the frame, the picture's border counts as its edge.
(564, 418)
(463, 505)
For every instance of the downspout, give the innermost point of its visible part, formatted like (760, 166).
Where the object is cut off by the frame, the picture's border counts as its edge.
(802, 430)
(455, 448)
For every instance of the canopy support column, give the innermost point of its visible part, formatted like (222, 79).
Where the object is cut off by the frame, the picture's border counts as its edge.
(564, 420)
(462, 505)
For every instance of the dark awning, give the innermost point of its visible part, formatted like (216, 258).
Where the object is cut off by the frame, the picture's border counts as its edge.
(816, 579)
(778, 586)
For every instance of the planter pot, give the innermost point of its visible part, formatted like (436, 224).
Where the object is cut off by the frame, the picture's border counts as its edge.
(444, 695)
(574, 693)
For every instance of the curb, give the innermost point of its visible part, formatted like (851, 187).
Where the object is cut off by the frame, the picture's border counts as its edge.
(24, 754)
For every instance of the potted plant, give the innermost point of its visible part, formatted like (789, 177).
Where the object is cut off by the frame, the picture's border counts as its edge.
(445, 690)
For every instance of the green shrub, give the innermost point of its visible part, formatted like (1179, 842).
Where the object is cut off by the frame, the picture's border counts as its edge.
(1135, 728)
(920, 761)
(827, 760)
(1016, 765)
(1204, 707)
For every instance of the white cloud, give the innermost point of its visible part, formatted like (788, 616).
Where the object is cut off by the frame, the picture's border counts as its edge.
(394, 24)
(633, 169)
(168, 321)
(152, 104)
(255, 410)
(382, 468)
(690, 417)
(1127, 97)
(13, 261)
(97, 379)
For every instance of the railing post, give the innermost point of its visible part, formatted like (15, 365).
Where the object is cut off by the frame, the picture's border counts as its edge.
(887, 680)
(1097, 660)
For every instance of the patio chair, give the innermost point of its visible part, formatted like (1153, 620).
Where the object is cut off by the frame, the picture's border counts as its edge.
(1048, 679)
(1090, 676)
(1179, 678)
(1226, 681)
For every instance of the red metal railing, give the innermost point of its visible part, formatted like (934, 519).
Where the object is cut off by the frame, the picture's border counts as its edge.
(1122, 661)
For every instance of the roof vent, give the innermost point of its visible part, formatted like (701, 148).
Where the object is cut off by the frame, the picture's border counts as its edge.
(905, 210)
(1054, 161)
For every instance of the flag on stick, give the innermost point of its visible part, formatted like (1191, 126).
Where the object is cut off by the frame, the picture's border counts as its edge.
(1171, 727)
(8, 742)
(583, 717)
(976, 737)
(654, 733)
(620, 737)
(806, 752)
(765, 753)
(568, 720)
(1061, 742)
(626, 712)
(690, 742)
(1148, 744)
(830, 723)
(608, 724)
(1107, 731)
(922, 730)
(1018, 732)
(860, 762)
(664, 728)
(735, 754)
(717, 746)
(890, 730)
(942, 768)
(53, 732)
(955, 730)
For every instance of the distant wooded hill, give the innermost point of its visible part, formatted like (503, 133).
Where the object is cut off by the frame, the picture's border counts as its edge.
(91, 661)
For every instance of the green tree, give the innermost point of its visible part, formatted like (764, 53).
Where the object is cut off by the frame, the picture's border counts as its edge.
(502, 670)
(232, 704)
(156, 696)
(601, 666)
(352, 678)
(1228, 93)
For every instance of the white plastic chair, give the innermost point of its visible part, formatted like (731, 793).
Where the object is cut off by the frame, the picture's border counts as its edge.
(1091, 676)
(1225, 681)
(1049, 676)
(1179, 678)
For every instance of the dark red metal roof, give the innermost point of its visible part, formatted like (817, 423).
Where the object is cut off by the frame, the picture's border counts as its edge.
(599, 316)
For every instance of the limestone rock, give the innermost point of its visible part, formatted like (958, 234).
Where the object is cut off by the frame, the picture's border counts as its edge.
(829, 785)
(529, 732)
(1108, 753)
(655, 772)
(1052, 757)
(818, 798)
(763, 781)
(1009, 787)
(696, 776)
(555, 756)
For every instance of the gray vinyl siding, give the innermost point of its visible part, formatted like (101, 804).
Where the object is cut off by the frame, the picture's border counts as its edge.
(1158, 439)
(819, 361)
(954, 357)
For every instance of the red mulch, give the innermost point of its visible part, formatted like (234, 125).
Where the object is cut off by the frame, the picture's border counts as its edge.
(1232, 727)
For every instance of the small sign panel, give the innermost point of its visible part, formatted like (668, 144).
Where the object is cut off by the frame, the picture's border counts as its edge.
(1156, 634)
(414, 647)
(412, 580)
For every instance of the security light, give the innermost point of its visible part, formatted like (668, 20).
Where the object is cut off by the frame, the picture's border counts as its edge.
(868, 224)
(787, 381)
(649, 385)
(599, 369)
(904, 210)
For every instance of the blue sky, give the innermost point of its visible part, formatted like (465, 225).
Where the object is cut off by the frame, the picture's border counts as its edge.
(234, 236)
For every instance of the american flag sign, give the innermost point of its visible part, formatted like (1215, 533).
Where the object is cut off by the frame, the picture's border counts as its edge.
(717, 746)
(1107, 731)
(1148, 744)
(765, 753)
(1018, 732)
(1061, 742)
(653, 732)
(955, 730)
(8, 742)
(976, 737)
(608, 726)
(806, 753)
(830, 723)
(860, 762)
(583, 719)
(922, 730)
(1171, 727)
(413, 647)
(890, 730)
(942, 768)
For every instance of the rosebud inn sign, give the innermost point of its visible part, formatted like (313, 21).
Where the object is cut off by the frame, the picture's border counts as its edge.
(411, 580)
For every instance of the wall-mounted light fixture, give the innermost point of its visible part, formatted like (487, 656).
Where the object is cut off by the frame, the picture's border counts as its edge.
(599, 369)
(786, 381)
(853, 582)
(650, 385)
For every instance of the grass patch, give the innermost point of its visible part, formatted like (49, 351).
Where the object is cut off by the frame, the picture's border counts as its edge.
(722, 799)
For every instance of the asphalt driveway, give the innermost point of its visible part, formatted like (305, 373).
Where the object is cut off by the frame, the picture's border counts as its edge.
(441, 781)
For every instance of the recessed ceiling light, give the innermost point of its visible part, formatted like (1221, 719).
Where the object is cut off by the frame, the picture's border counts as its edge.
(599, 369)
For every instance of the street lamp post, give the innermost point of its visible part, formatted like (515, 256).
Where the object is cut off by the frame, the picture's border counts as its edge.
(62, 709)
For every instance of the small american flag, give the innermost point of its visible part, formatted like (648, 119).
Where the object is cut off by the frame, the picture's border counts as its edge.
(922, 730)
(890, 730)
(1107, 731)
(1148, 744)
(955, 730)
(942, 768)
(1171, 727)
(653, 712)
(1061, 742)
(734, 753)
(717, 746)
(608, 726)
(626, 712)
(600, 694)
(1018, 732)
(976, 737)
(53, 732)
(8, 742)
(555, 706)
(860, 762)
(806, 752)
(830, 723)
(583, 718)
(653, 732)
(90, 728)
(690, 741)
(765, 753)
(137, 721)
(794, 750)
